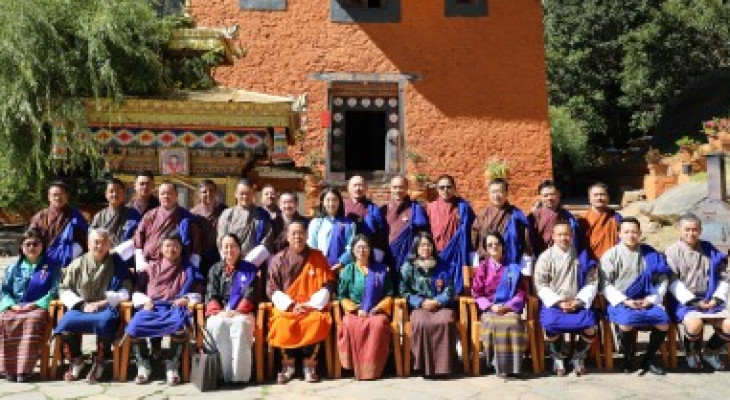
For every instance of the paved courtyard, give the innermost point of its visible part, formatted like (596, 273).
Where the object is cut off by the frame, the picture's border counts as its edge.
(595, 386)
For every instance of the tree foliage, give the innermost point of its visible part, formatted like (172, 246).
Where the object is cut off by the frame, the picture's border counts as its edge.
(615, 66)
(54, 54)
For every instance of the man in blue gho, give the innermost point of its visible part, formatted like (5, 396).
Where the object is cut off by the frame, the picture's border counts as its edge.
(566, 283)
(635, 277)
(92, 288)
(161, 297)
(699, 284)
(64, 228)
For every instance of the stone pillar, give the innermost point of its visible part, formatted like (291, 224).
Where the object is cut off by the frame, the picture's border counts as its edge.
(716, 186)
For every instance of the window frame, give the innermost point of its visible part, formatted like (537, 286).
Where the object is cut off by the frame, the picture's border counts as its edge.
(389, 13)
(262, 5)
(479, 9)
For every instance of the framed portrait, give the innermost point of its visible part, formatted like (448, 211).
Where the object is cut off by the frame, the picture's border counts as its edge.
(174, 161)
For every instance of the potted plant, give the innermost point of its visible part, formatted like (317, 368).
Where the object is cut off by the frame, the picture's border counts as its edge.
(416, 180)
(418, 184)
(718, 133)
(687, 149)
(653, 159)
(495, 168)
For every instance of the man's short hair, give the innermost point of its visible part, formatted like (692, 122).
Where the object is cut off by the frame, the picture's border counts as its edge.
(598, 185)
(630, 220)
(145, 174)
(290, 193)
(58, 184)
(115, 181)
(547, 183)
(205, 183)
(689, 217)
(500, 181)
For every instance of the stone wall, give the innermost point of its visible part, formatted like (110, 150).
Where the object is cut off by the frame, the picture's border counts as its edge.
(481, 90)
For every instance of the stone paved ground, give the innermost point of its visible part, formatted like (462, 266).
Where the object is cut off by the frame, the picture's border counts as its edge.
(596, 386)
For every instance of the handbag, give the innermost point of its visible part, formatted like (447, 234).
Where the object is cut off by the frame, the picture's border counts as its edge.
(206, 364)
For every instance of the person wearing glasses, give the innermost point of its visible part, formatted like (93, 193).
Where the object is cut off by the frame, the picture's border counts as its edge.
(63, 227)
(509, 221)
(28, 287)
(451, 220)
(500, 293)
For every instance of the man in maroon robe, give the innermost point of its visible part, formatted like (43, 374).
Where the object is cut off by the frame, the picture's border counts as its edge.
(288, 204)
(548, 213)
(399, 216)
(144, 200)
(156, 224)
(53, 220)
(358, 207)
(206, 213)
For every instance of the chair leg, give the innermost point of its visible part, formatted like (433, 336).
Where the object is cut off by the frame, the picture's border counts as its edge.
(124, 359)
(186, 358)
(672, 341)
(397, 351)
(259, 355)
(46, 353)
(476, 348)
(336, 364)
(407, 349)
(116, 351)
(329, 358)
(269, 362)
(464, 339)
(534, 348)
(607, 334)
(56, 359)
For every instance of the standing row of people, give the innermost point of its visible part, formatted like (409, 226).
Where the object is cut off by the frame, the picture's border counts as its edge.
(163, 258)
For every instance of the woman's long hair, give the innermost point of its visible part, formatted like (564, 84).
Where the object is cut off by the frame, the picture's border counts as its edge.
(321, 212)
(413, 254)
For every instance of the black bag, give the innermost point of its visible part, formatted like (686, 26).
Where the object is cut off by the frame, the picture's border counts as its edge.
(206, 365)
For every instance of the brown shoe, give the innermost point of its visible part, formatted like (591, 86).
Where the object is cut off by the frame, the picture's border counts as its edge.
(287, 372)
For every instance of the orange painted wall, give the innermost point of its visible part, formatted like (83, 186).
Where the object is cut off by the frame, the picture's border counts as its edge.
(483, 90)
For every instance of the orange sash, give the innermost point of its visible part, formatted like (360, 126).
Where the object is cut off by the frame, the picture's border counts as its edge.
(287, 330)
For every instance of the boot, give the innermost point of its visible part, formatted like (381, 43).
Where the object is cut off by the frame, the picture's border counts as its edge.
(579, 354)
(711, 355)
(557, 353)
(626, 344)
(656, 338)
(693, 347)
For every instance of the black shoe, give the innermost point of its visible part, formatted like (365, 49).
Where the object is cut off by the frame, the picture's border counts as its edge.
(627, 365)
(650, 367)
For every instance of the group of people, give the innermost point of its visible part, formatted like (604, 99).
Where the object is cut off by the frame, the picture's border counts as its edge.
(163, 258)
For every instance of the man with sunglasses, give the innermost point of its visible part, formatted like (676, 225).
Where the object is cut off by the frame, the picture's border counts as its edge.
(451, 219)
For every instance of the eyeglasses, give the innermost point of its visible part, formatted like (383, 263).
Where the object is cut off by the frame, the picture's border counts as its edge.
(445, 187)
(497, 244)
(32, 244)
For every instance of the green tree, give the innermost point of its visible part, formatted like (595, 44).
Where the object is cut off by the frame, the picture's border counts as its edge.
(683, 42)
(54, 54)
(584, 53)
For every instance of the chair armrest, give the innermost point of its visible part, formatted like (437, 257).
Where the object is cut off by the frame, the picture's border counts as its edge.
(402, 307)
(473, 310)
(464, 309)
(126, 309)
(533, 307)
(336, 312)
(264, 308)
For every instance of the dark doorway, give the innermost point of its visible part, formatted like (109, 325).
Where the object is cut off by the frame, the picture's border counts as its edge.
(365, 140)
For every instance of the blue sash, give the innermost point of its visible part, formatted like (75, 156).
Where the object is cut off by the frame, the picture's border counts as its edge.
(338, 240)
(514, 237)
(242, 277)
(445, 273)
(374, 286)
(401, 246)
(717, 261)
(60, 252)
(456, 253)
(654, 264)
(40, 282)
(508, 284)
(373, 221)
(133, 219)
(263, 218)
(585, 265)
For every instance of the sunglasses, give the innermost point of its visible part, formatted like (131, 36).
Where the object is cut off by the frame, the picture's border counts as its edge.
(494, 245)
(32, 244)
(445, 187)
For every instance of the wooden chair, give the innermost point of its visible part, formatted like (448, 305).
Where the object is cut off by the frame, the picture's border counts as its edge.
(668, 349)
(533, 345)
(462, 325)
(537, 335)
(126, 311)
(397, 348)
(263, 317)
(45, 361)
(57, 360)
(258, 335)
